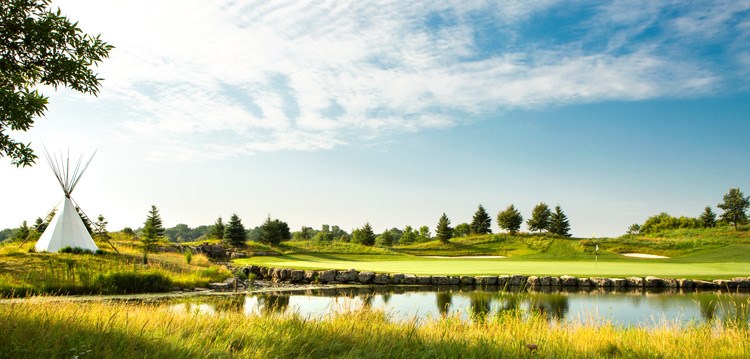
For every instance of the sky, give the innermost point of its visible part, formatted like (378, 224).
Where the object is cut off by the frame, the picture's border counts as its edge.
(394, 112)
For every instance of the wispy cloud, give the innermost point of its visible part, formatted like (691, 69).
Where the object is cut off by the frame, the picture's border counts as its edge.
(312, 75)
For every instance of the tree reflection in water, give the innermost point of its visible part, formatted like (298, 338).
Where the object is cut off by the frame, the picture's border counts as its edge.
(273, 303)
(443, 301)
(480, 305)
(553, 306)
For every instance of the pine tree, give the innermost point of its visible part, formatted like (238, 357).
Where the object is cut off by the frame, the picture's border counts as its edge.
(153, 232)
(234, 231)
(274, 231)
(510, 219)
(22, 232)
(217, 230)
(364, 235)
(540, 218)
(734, 206)
(86, 221)
(444, 232)
(481, 222)
(101, 227)
(559, 223)
(708, 218)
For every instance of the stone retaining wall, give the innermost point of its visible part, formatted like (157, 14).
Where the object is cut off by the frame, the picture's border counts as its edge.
(351, 276)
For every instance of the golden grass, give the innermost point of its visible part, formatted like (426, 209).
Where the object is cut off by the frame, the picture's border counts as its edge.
(112, 330)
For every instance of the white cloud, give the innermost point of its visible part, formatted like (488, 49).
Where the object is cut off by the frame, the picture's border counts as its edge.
(288, 61)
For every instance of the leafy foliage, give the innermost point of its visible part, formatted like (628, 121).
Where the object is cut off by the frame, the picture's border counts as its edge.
(481, 222)
(634, 228)
(462, 230)
(540, 218)
(559, 223)
(40, 47)
(510, 219)
(234, 231)
(444, 232)
(663, 221)
(274, 231)
(735, 205)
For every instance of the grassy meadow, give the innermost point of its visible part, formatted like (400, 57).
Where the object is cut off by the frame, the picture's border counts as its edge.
(23, 273)
(111, 330)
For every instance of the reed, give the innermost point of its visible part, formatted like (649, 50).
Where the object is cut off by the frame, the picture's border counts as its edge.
(35, 329)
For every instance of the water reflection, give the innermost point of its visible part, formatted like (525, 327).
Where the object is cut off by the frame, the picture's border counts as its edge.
(627, 307)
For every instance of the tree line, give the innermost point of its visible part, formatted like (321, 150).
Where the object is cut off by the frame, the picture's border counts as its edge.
(734, 205)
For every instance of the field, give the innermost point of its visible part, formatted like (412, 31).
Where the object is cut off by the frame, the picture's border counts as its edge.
(126, 330)
(696, 254)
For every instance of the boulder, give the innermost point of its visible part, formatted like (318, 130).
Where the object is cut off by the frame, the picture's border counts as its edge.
(467, 280)
(544, 281)
(284, 274)
(601, 282)
(310, 276)
(619, 282)
(686, 283)
(726, 284)
(454, 280)
(486, 280)
(326, 276)
(381, 278)
(635, 282)
(439, 280)
(396, 278)
(424, 280)
(517, 280)
(654, 282)
(705, 285)
(569, 281)
(365, 277)
(503, 280)
(237, 255)
(347, 276)
(297, 276)
(263, 271)
(555, 281)
(410, 279)
(534, 281)
(742, 283)
(585, 282)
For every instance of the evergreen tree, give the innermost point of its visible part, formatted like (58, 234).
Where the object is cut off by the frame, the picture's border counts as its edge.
(234, 231)
(510, 220)
(22, 232)
(734, 206)
(86, 221)
(540, 218)
(708, 218)
(409, 236)
(634, 228)
(274, 231)
(481, 222)
(559, 223)
(101, 227)
(364, 235)
(444, 232)
(385, 239)
(153, 232)
(217, 230)
(40, 225)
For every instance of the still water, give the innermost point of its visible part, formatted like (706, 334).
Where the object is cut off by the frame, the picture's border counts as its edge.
(634, 307)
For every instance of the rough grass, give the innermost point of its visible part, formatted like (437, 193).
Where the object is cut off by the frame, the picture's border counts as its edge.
(110, 330)
(23, 273)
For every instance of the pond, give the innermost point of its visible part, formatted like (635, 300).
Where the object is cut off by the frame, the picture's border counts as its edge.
(635, 307)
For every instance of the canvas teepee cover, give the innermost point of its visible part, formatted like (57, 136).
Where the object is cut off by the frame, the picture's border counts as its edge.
(66, 227)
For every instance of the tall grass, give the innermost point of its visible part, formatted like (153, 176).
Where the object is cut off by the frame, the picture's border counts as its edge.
(110, 330)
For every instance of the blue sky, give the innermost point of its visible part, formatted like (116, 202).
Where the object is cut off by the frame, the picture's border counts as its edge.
(394, 112)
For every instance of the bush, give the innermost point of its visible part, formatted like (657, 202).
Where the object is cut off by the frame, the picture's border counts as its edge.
(133, 282)
(188, 256)
(77, 250)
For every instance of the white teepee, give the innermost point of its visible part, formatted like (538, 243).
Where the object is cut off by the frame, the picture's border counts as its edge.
(66, 228)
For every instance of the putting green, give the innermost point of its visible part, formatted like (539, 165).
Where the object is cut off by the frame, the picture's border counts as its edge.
(500, 266)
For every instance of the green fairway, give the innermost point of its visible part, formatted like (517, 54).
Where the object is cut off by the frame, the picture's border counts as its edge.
(499, 266)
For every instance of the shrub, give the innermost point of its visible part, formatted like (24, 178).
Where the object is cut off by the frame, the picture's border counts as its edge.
(133, 282)
(188, 256)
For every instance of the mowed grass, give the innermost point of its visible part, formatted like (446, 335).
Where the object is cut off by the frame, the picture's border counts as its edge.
(726, 262)
(128, 330)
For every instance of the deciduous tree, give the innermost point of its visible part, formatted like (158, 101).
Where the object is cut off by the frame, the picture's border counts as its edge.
(40, 47)
(735, 205)
(510, 219)
(540, 218)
